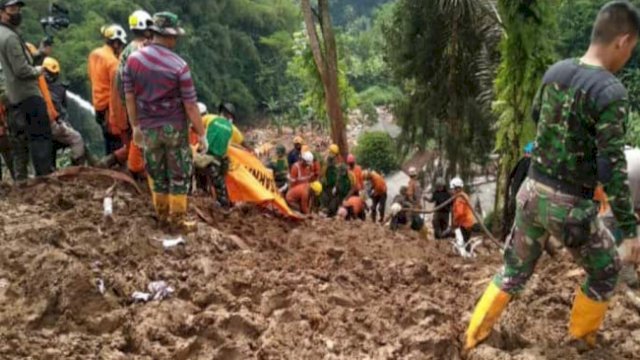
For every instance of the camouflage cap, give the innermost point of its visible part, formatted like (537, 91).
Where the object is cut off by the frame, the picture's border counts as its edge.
(166, 23)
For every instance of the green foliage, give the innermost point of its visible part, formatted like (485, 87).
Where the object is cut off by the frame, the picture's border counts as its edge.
(527, 50)
(376, 150)
(302, 69)
(236, 48)
(633, 130)
(380, 95)
(434, 50)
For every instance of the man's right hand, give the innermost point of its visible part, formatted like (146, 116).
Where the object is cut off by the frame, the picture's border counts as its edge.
(629, 251)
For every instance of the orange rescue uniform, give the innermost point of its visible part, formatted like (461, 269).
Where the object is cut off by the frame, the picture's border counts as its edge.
(102, 64)
(357, 172)
(378, 184)
(356, 204)
(300, 173)
(300, 196)
(462, 213)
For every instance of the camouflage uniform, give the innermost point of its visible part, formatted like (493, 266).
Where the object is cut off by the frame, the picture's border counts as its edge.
(168, 159)
(581, 113)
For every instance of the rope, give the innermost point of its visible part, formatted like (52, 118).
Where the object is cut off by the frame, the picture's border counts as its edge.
(475, 214)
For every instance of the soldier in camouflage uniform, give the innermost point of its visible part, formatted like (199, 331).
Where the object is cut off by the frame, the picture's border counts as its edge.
(161, 104)
(580, 110)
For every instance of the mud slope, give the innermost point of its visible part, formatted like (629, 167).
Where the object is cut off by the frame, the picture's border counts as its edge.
(257, 287)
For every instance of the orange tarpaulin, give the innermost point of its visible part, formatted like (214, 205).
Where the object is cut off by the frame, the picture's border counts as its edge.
(248, 180)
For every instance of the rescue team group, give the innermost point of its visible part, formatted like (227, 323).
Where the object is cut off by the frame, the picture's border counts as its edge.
(146, 104)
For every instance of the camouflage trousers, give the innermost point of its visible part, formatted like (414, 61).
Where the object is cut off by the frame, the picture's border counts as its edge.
(542, 212)
(168, 159)
(217, 172)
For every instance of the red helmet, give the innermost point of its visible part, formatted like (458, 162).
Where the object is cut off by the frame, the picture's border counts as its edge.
(351, 159)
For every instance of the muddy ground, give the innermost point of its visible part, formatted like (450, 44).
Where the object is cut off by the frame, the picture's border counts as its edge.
(258, 287)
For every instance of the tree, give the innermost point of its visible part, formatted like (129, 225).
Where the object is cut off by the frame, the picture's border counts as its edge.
(435, 49)
(325, 56)
(527, 49)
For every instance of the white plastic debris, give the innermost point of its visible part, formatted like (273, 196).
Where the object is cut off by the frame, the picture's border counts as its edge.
(169, 243)
(101, 288)
(160, 290)
(108, 206)
(460, 244)
(141, 296)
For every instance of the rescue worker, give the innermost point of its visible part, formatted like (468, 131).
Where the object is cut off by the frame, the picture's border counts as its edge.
(302, 171)
(61, 130)
(280, 167)
(353, 208)
(219, 134)
(28, 123)
(330, 177)
(441, 216)
(378, 194)
(581, 102)
(357, 173)
(102, 66)
(398, 214)
(343, 189)
(301, 197)
(463, 217)
(414, 191)
(296, 152)
(161, 101)
(139, 23)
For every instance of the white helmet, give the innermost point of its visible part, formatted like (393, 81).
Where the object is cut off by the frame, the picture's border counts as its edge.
(114, 32)
(307, 157)
(202, 108)
(140, 20)
(456, 183)
(413, 171)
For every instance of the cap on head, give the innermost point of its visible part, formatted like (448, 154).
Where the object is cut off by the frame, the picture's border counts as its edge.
(307, 157)
(166, 23)
(140, 20)
(316, 187)
(5, 3)
(456, 183)
(280, 149)
(51, 65)
(114, 32)
(528, 149)
(351, 159)
(227, 108)
(298, 140)
(334, 149)
(413, 172)
(202, 108)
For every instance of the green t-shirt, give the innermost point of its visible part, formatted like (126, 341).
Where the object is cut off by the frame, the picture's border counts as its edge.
(219, 134)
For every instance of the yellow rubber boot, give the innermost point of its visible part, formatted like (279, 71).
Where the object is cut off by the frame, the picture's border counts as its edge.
(486, 314)
(178, 214)
(162, 206)
(586, 317)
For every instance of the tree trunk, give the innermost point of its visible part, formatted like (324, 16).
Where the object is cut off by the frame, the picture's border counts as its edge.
(326, 59)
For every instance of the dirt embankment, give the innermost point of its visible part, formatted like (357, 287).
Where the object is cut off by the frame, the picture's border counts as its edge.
(257, 287)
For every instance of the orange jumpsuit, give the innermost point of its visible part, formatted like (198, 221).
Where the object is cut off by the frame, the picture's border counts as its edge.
(299, 196)
(462, 213)
(300, 173)
(378, 184)
(355, 205)
(102, 64)
(357, 172)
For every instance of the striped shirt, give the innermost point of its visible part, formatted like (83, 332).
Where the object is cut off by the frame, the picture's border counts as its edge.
(161, 82)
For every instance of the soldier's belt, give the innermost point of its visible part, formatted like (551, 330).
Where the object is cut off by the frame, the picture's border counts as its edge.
(560, 186)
